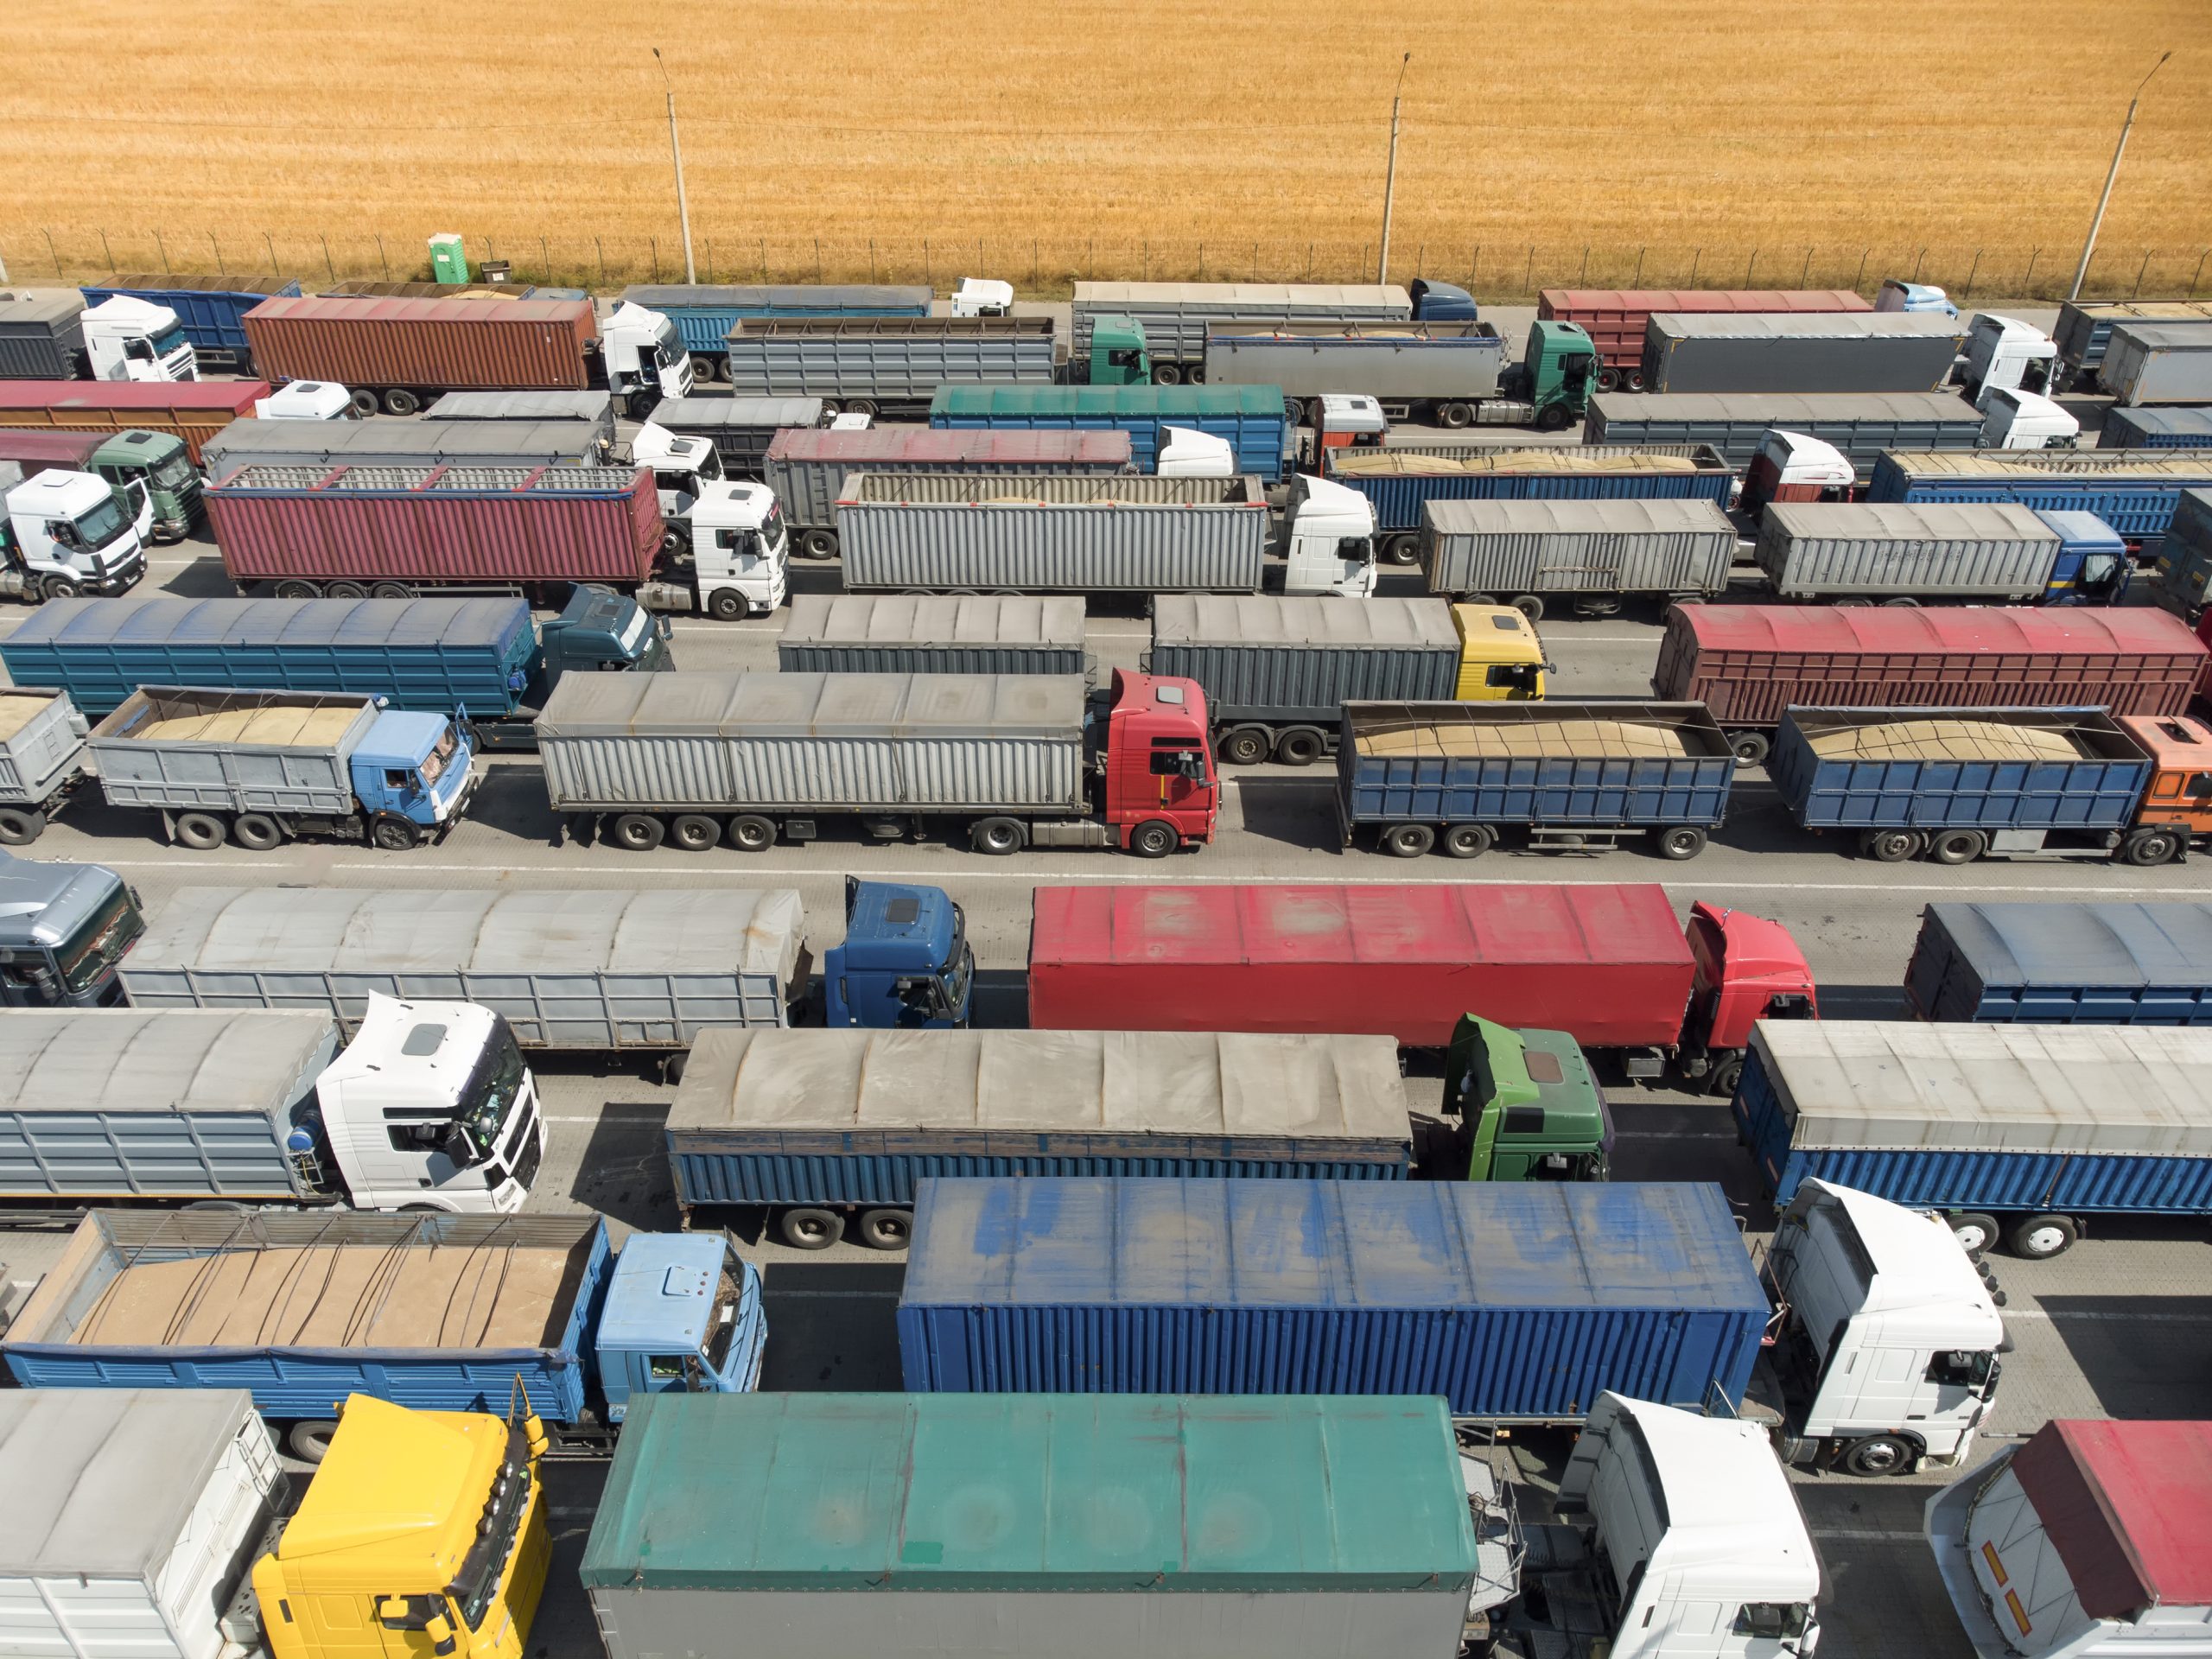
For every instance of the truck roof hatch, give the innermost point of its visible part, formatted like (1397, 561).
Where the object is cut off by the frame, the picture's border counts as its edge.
(392, 1475)
(663, 1292)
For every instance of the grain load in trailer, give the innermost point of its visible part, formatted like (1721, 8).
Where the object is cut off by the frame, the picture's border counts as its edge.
(2133, 490)
(822, 1127)
(1592, 553)
(1617, 318)
(2104, 963)
(42, 760)
(1860, 424)
(1906, 554)
(910, 634)
(1804, 355)
(1517, 1303)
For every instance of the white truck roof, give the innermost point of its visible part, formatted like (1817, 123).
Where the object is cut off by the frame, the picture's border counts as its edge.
(1912, 1263)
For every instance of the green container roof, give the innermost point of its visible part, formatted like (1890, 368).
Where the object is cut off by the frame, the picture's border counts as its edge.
(1033, 1492)
(1138, 402)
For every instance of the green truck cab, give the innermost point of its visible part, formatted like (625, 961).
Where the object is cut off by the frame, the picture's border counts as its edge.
(1529, 1108)
(1561, 367)
(1118, 355)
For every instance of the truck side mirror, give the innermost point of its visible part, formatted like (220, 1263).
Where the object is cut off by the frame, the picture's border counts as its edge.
(439, 1629)
(453, 1142)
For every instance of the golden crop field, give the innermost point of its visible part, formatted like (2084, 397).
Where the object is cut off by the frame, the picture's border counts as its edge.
(1669, 140)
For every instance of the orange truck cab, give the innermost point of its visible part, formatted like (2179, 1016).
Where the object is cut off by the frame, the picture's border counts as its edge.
(2176, 811)
(1748, 969)
(1162, 789)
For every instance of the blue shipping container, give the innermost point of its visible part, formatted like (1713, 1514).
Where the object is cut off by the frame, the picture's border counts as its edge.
(2103, 482)
(705, 313)
(213, 318)
(2098, 790)
(2106, 963)
(433, 655)
(2157, 428)
(1397, 497)
(1519, 1302)
(1250, 419)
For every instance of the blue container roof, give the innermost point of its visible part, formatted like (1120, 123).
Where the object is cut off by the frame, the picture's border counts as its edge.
(268, 622)
(2100, 945)
(1327, 1244)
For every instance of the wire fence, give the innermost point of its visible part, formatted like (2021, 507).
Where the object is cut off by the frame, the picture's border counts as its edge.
(1048, 268)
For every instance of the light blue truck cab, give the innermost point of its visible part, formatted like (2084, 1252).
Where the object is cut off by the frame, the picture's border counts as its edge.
(2092, 566)
(415, 767)
(682, 1316)
(905, 962)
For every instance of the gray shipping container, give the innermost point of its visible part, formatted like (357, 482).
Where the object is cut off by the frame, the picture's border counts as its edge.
(1041, 533)
(912, 633)
(1816, 551)
(1837, 352)
(740, 429)
(1393, 362)
(1295, 657)
(597, 407)
(1861, 425)
(1177, 316)
(572, 968)
(808, 469)
(294, 755)
(156, 1104)
(393, 441)
(867, 363)
(902, 743)
(42, 336)
(42, 744)
(2183, 427)
(2158, 363)
(1599, 548)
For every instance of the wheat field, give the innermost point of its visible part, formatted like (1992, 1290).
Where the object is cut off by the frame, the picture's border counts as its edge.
(1677, 140)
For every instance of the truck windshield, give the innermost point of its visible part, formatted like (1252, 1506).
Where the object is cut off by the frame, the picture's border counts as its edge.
(169, 340)
(173, 474)
(478, 1581)
(493, 1087)
(635, 632)
(710, 467)
(730, 1313)
(670, 351)
(96, 946)
(433, 764)
(959, 967)
(98, 527)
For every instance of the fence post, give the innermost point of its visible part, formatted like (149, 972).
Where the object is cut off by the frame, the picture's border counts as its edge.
(1806, 275)
(710, 257)
(1256, 262)
(1474, 267)
(1637, 281)
(1973, 271)
(1202, 262)
(1584, 276)
(1859, 280)
(110, 253)
(2139, 270)
(653, 244)
(1528, 272)
(383, 258)
(49, 248)
(1421, 252)
(602, 248)
(1750, 264)
(545, 257)
(1309, 262)
(928, 281)
(1034, 262)
(327, 261)
(164, 247)
(1362, 265)
(1696, 254)
(1147, 255)
(1917, 264)
(871, 258)
(2028, 282)
(2200, 271)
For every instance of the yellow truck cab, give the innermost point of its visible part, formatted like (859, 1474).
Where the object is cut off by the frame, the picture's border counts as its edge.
(1500, 659)
(422, 1536)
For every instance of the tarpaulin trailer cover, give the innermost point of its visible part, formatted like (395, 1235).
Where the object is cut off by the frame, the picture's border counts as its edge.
(2104, 963)
(2128, 1507)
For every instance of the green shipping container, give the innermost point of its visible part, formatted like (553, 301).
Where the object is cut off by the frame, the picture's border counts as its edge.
(1093, 1527)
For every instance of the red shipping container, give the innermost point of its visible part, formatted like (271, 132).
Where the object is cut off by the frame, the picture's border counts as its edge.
(433, 345)
(1608, 963)
(194, 411)
(431, 524)
(1748, 663)
(1615, 318)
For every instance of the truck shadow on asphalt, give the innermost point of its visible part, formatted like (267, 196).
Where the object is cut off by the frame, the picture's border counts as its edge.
(624, 1172)
(832, 1326)
(2146, 1357)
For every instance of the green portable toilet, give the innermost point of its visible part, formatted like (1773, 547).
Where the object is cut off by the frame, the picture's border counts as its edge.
(449, 259)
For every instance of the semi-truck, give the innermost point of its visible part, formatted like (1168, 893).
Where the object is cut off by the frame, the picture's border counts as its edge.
(1399, 482)
(2155, 428)
(483, 659)
(1959, 784)
(2087, 1538)
(2024, 1133)
(889, 366)
(1553, 775)
(1942, 552)
(42, 763)
(388, 441)
(1251, 419)
(65, 533)
(2084, 329)
(1457, 374)
(63, 928)
(2133, 490)
(427, 1106)
(1060, 533)
(194, 410)
(699, 760)
(2101, 962)
(55, 336)
(402, 352)
(2003, 354)
(704, 313)
(1591, 554)
(392, 532)
(1276, 671)
(904, 633)
(211, 311)
(262, 768)
(150, 472)
(437, 1313)
(2158, 363)
(1617, 318)
(1804, 355)
(1175, 318)
(1608, 964)
(1749, 663)
(807, 469)
(738, 429)
(1860, 424)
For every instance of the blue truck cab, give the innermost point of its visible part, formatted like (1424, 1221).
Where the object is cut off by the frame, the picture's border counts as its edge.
(682, 1316)
(1435, 301)
(905, 963)
(2092, 566)
(413, 768)
(603, 632)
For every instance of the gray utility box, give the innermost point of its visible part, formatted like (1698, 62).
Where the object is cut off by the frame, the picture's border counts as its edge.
(287, 751)
(909, 633)
(2158, 363)
(573, 967)
(1269, 658)
(41, 745)
(1595, 552)
(1844, 351)
(42, 336)
(1054, 533)
(1822, 549)
(392, 441)
(867, 363)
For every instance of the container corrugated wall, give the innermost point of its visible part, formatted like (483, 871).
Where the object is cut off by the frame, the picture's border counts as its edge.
(1257, 680)
(2134, 492)
(1398, 499)
(1513, 1301)
(2102, 963)
(477, 345)
(1802, 355)
(1860, 424)
(905, 367)
(1812, 550)
(1680, 547)
(890, 1176)
(2155, 363)
(2157, 428)
(191, 410)
(904, 633)
(807, 468)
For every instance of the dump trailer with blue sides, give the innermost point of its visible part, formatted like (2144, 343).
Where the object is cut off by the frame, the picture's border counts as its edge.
(1517, 1302)
(2026, 1129)
(2134, 491)
(1567, 776)
(2102, 963)
(1250, 418)
(912, 1527)
(704, 313)
(211, 311)
(2157, 428)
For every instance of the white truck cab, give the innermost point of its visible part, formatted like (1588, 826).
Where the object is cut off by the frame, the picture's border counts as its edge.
(682, 466)
(1328, 539)
(982, 297)
(2006, 355)
(2026, 420)
(1186, 454)
(128, 339)
(1796, 467)
(66, 534)
(308, 400)
(429, 1105)
(644, 357)
(740, 554)
(1885, 1335)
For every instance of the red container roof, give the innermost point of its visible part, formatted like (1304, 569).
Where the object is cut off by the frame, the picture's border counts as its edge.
(1456, 924)
(1961, 631)
(327, 307)
(236, 395)
(2128, 1507)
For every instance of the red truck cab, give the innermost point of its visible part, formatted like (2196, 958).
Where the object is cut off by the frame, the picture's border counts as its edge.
(1748, 969)
(1162, 788)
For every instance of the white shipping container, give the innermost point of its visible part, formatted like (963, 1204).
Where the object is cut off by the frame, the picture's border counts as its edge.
(1606, 548)
(1819, 549)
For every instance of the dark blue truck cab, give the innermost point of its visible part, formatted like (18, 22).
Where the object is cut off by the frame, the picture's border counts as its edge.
(905, 962)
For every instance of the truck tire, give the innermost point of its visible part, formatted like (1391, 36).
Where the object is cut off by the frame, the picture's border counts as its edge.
(1166, 374)
(1632, 378)
(1975, 1231)
(1890, 846)
(1154, 838)
(2038, 1238)
(886, 1230)
(391, 590)
(202, 831)
(1404, 548)
(293, 588)
(638, 832)
(59, 588)
(1469, 840)
(397, 400)
(395, 834)
(728, 604)
(1723, 1077)
(348, 590)
(860, 406)
(1245, 745)
(1879, 1455)
(1456, 416)
(1751, 747)
(2142, 847)
(818, 544)
(1609, 380)
(365, 402)
(1958, 846)
(1408, 840)
(751, 833)
(309, 1441)
(1554, 419)
(1530, 605)
(257, 832)
(997, 837)
(1301, 746)
(809, 1229)
(21, 825)
(1683, 841)
(694, 832)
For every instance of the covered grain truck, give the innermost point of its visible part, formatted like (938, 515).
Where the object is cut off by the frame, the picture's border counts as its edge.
(2157, 428)
(1860, 424)
(1617, 319)
(884, 366)
(2133, 490)
(1177, 317)
(194, 411)
(740, 429)
(42, 762)
(596, 407)
(2155, 364)
(2084, 331)
(823, 1130)
(1901, 554)
(388, 441)
(1591, 555)
(1805, 355)
(2022, 1132)
(1749, 663)
(704, 313)
(2103, 962)
(1457, 374)
(906, 634)
(1250, 419)
(212, 309)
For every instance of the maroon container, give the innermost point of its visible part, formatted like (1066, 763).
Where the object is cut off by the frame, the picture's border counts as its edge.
(425, 525)
(431, 345)
(1615, 318)
(194, 411)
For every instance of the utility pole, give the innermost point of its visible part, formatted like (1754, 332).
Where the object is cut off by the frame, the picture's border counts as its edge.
(2089, 248)
(675, 150)
(1390, 176)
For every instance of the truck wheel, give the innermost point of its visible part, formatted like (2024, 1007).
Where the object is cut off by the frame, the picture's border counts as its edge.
(1903, 602)
(1975, 1231)
(995, 837)
(348, 590)
(1301, 746)
(1723, 1077)
(1554, 419)
(860, 406)
(639, 403)
(638, 832)
(394, 833)
(1166, 374)
(2038, 1238)
(365, 402)
(391, 590)
(1633, 379)
(1751, 747)
(310, 1441)
(60, 587)
(1683, 841)
(1408, 840)
(819, 544)
(1469, 840)
(694, 832)
(400, 401)
(810, 1229)
(202, 831)
(1154, 838)
(1455, 416)
(886, 1230)
(20, 826)
(1609, 380)
(1890, 846)
(751, 833)
(1958, 846)
(1879, 1455)
(672, 541)
(292, 588)
(728, 604)
(1404, 548)
(1245, 745)
(1530, 605)
(2144, 847)
(257, 832)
